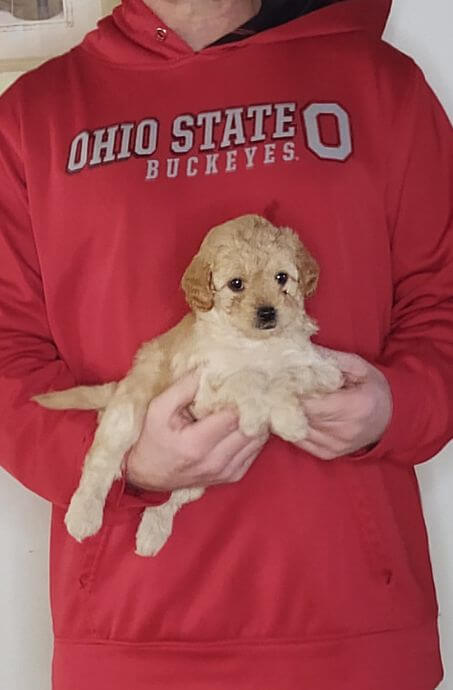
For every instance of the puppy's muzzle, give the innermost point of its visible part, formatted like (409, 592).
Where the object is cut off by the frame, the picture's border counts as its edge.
(266, 317)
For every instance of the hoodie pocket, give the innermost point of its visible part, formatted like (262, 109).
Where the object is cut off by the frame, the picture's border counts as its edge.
(297, 550)
(371, 520)
(383, 542)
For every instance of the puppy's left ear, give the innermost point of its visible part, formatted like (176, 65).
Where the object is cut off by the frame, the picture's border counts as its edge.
(307, 265)
(197, 285)
(308, 269)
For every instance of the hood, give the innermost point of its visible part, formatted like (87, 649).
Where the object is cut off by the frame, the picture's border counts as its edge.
(134, 35)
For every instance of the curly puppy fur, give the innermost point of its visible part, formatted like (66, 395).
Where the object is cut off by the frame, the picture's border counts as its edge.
(247, 333)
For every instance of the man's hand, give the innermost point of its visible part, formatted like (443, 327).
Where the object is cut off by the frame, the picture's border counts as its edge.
(174, 452)
(353, 418)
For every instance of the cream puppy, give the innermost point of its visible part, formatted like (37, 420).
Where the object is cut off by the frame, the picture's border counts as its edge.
(249, 336)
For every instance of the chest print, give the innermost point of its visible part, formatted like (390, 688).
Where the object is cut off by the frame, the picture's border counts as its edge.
(218, 141)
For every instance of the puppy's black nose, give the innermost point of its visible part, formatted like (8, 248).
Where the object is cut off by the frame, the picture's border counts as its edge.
(267, 316)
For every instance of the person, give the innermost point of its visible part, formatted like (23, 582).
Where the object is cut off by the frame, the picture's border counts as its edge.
(304, 565)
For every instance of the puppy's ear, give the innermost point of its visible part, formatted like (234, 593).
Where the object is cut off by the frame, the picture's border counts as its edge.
(197, 285)
(307, 266)
(308, 269)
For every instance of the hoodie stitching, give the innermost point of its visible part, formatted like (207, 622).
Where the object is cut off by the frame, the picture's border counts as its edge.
(247, 642)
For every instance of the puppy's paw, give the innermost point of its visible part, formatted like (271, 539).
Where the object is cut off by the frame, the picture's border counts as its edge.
(84, 516)
(328, 377)
(289, 422)
(154, 530)
(252, 426)
(253, 417)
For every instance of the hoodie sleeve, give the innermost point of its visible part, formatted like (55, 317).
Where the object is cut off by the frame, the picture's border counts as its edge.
(43, 449)
(417, 359)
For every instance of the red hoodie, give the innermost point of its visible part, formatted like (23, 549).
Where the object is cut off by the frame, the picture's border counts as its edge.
(115, 160)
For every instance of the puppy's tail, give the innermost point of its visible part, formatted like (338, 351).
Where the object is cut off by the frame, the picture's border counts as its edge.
(78, 398)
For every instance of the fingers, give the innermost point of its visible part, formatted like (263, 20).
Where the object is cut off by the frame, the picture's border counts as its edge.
(232, 458)
(337, 407)
(325, 408)
(321, 444)
(194, 453)
(331, 442)
(319, 436)
(235, 448)
(242, 462)
(207, 433)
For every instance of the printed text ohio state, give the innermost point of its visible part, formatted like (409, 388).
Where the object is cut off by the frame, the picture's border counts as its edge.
(218, 141)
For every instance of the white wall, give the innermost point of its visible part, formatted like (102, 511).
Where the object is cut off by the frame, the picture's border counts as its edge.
(423, 29)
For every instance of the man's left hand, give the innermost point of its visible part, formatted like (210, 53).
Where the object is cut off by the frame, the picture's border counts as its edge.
(352, 418)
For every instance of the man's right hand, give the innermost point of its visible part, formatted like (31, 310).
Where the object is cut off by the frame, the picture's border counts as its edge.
(175, 452)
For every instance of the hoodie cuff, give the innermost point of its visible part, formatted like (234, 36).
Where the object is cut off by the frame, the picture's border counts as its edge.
(125, 495)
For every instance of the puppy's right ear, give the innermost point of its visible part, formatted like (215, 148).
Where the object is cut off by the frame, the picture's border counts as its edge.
(197, 285)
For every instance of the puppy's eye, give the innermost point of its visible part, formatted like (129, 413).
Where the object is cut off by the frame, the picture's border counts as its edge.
(237, 284)
(281, 278)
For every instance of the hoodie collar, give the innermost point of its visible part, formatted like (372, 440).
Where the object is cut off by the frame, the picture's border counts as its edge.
(274, 13)
(134, 35)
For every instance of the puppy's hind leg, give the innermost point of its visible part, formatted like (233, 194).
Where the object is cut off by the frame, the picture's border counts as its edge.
(118, 430)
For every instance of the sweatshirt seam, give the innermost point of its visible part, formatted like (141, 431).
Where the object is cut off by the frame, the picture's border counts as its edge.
(246, 642)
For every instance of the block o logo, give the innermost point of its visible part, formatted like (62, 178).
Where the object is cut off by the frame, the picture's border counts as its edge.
(340, 151)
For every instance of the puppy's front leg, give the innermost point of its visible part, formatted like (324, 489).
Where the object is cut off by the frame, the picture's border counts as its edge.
(118, 430)
(245, 390)
(157, 523)
(287, 416)
(323, 375)
(319, 376)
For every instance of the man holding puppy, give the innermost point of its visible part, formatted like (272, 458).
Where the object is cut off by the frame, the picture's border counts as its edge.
(183, 114)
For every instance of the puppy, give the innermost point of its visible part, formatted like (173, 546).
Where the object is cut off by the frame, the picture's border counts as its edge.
(249, 336)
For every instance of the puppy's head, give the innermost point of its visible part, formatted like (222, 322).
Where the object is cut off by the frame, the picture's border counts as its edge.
(253, 274)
